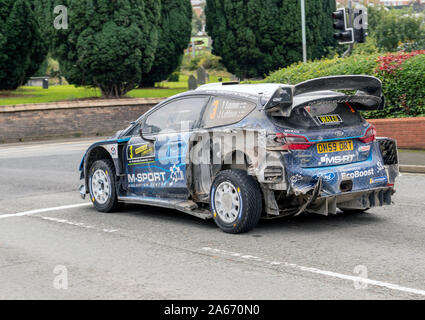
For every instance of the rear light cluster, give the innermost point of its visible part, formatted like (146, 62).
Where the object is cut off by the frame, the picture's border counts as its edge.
(293, 141)
(370, 135)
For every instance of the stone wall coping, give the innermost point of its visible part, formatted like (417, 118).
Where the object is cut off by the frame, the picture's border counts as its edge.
(80, 104)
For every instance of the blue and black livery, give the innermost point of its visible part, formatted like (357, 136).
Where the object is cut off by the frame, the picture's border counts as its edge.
(311, 151)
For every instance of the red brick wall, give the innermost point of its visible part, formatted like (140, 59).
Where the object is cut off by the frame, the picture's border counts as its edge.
(409, 132)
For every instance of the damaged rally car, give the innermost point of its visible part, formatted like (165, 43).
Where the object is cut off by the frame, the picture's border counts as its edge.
(236, 152)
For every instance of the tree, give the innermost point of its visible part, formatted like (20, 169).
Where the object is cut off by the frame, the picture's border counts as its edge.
(390, 27)
(174, 36)
(22, 49)
(108, 44)
(254, 37)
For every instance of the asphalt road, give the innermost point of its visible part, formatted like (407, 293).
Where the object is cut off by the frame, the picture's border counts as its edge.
(53, 245)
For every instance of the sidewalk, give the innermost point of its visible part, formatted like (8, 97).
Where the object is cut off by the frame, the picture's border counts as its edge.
(412, 161)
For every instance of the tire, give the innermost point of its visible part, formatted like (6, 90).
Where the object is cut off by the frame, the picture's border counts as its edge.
(229, 188)
(354, 210)
(103, 171)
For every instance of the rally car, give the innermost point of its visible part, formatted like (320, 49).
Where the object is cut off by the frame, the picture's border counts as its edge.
(238, 152)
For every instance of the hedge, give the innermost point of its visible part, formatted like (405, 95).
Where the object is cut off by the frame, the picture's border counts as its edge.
(402, 75)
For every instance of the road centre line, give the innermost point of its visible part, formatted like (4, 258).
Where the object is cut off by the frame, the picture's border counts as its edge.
(318, 271)
(78, 224)
(32, 212)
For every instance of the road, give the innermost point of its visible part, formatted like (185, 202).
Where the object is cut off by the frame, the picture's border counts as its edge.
(54, 245)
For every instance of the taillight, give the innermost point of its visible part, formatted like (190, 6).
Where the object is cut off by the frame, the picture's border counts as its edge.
(293, 141)
(369, 136)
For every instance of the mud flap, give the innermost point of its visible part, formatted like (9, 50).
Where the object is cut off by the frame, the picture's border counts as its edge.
(311, 198)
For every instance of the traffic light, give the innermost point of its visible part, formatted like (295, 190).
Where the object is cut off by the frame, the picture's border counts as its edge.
(343, 34)
(360, 25)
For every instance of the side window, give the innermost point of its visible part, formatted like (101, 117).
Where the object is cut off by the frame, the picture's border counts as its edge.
(180, 115)
(224, 111)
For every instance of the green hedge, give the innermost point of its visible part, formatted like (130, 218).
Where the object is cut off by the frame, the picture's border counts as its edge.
(403, 83)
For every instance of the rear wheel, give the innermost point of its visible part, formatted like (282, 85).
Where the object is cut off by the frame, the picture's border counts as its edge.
(102, 186)
(236, 202)
(354, 210)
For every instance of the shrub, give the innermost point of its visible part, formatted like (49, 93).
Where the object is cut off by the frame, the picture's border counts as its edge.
(204, 59)
(174, 77)
(298, 72)
(402, 75)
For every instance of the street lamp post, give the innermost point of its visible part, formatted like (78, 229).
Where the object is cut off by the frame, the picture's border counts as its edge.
(303, 27)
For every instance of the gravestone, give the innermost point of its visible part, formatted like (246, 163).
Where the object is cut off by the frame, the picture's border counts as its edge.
(193, 84)
(201, 75)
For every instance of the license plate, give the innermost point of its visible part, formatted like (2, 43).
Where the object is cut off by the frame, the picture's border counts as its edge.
(335, 146)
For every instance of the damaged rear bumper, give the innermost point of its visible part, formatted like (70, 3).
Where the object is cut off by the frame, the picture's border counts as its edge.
(356, 200)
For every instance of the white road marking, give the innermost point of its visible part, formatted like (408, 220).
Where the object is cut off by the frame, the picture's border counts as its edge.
(28, 213)
(78, 224)
(318, 271)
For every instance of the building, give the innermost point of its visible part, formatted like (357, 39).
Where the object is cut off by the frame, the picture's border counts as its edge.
(198, 7)
(387, 3)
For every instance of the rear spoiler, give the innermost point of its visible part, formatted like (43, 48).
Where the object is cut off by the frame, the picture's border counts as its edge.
(368, 96)
(365, 85)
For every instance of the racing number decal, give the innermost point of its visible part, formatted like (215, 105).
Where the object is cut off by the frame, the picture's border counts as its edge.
(214, 112)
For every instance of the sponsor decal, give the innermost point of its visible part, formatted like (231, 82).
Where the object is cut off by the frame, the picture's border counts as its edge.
(358, 174)
(364, 148)
(380, 166)
(152, 177)
(112, 149)
(325, 176)
(326, 160)
(378, 180)
(329, 119)
(176, 175)
(141, 153)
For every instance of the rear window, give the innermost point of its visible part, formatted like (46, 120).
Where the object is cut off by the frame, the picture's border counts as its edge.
(325, 115)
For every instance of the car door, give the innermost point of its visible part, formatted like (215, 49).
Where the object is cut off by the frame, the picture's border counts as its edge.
(156, 163)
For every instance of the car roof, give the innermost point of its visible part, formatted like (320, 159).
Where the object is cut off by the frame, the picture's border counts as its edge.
(259, 89)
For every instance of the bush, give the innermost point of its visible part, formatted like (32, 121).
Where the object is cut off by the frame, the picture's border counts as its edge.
(174, 77)
(403, 80)
(204, 59)
(402, 75)
(298, 72)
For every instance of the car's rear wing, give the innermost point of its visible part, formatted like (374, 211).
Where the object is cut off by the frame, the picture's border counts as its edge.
(365, 85)
(368, 96)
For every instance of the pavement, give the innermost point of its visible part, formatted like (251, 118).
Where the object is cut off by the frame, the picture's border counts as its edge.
(54, 245)
(412, 161)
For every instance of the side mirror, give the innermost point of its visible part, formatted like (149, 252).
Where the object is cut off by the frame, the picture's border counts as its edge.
(146, 134)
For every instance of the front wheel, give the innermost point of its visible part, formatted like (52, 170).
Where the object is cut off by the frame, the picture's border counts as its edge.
(102, 186)
(236, 201)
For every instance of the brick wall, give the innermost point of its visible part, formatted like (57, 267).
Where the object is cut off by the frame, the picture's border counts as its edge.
(69, 119)
(409, 132)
